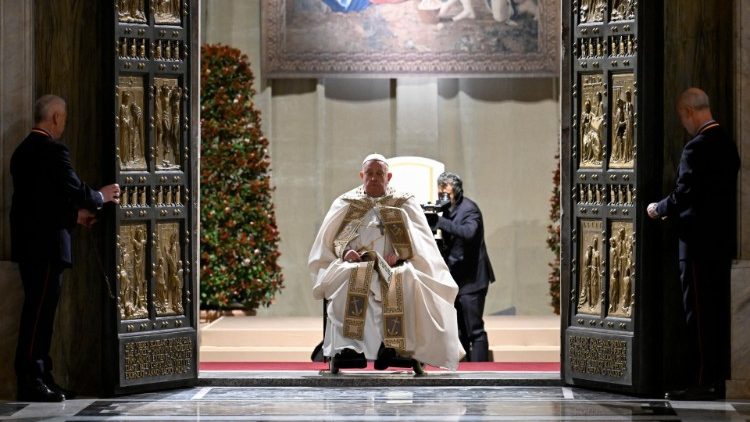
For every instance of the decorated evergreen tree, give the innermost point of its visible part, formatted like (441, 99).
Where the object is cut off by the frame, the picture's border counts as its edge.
(553, 239)
(239, 237)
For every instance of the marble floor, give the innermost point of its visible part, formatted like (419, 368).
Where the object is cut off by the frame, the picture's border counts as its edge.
(406, 403)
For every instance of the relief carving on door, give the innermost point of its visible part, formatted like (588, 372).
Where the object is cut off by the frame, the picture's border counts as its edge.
(168, 270)
(168, 113)
(590, 267)
(623, 121)
(592, 11)
(621, 269)
(166, 11)
(131, 271)
(623, 10)
(130, 123)
(591, 121)
(131, 11)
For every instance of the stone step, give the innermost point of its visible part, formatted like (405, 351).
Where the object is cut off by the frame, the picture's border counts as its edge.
(523, 330)
(255, 354)
(243, 331)
(287, 339)
(387, 378)
(302, 354)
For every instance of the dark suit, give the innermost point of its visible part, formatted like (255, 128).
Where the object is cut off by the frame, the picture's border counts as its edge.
(46, 196)
(465, 254)
(704, 206)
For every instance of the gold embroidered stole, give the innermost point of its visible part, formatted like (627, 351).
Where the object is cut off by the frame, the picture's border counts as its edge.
(394, 334)
(388, 209)
(350, 226)
(392, 219)
(356, 300)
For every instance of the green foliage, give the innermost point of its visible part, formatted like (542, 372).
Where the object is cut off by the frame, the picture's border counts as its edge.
(239, 237)
(553, 239)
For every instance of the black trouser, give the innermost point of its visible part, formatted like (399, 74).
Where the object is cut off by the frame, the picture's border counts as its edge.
(41, 285)
(706, 299)
(470, 308)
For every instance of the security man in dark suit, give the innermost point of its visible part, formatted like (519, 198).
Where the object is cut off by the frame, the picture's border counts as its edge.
(465, 254)
(703, 204)
(48, 201)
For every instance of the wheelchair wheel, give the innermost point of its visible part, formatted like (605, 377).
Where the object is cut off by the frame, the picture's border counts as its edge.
(332, 365)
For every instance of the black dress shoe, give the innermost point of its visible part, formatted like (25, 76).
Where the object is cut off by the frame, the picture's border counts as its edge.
(50, 382)
(347, 358)
(35, 390)
(385, 354)
(388, 357)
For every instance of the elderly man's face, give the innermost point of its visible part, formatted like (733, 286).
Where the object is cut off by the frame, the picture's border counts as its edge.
(375, 177)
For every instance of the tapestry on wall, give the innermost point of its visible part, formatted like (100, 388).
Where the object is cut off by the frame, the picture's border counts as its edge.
(392, 38)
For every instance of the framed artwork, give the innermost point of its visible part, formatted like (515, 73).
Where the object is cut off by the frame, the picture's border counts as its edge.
(396, 38)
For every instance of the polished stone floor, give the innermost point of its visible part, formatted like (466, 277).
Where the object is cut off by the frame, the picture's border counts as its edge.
(482, 403)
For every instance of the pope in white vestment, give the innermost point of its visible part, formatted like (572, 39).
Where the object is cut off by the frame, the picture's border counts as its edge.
(377, 263)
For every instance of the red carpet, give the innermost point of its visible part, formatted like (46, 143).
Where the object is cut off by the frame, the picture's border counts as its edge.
(317, 366)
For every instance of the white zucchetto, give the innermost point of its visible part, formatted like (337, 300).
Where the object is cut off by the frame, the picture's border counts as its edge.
(377, 157)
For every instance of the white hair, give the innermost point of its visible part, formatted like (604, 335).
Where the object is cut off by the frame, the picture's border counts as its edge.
(695, 99)
(46, 106)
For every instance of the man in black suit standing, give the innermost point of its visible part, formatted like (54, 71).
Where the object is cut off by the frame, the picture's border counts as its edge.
(48, 201)
(703, 204)
(465, 254)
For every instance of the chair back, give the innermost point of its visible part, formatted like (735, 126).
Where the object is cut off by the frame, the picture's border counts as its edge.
(417, 175)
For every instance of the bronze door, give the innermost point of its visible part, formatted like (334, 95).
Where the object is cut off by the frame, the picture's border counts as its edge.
(154, 161)
(609, 103)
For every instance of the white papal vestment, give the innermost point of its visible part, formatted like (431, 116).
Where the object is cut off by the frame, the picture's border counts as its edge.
(410, 306)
